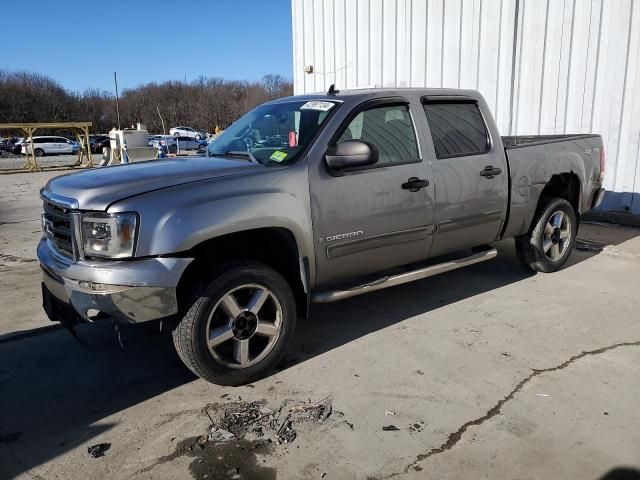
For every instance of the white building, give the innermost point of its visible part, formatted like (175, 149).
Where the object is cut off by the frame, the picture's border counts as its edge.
(544, 66)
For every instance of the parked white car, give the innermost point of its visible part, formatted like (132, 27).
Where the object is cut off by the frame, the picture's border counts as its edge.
(49, 145)
(188, 132)
(180, 143)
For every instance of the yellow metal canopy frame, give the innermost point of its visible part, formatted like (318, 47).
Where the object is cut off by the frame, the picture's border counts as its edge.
(80, 129)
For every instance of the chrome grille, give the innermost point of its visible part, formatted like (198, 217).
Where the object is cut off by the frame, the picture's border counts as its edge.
(58, 228)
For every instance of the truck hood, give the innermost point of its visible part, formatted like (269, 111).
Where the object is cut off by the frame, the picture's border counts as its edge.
(98, 188)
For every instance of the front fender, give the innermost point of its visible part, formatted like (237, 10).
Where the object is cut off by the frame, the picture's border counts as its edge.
(175, 220)
(181, 229)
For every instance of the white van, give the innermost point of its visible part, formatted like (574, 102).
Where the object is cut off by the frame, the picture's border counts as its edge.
(49, 146)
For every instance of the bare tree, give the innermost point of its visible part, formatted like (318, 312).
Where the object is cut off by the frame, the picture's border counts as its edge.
(205, 103)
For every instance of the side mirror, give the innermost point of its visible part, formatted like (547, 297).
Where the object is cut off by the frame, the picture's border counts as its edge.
(352, 153)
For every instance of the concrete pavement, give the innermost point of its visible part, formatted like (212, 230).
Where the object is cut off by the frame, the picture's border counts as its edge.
(490, 372)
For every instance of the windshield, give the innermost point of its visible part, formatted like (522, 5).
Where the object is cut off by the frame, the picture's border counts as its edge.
(275, 133)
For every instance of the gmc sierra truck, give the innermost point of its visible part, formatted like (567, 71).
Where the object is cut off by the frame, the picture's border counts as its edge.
(307, 199)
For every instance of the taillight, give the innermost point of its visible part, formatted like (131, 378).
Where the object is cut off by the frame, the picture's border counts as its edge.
(602, 163)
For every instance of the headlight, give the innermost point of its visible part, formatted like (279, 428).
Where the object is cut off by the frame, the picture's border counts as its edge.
(109, 235)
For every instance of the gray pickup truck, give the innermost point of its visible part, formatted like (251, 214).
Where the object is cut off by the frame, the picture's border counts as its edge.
(307, 199)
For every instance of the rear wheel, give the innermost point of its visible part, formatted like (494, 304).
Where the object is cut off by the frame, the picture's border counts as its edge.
(239, 326)
(548, 245)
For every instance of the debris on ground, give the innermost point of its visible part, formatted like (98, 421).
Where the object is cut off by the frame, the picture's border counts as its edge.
(97, 451)
(253, 420)
(220, 435)
(588, 245)
(348, 424)
(390, 428)
(388, 413)
(416, 427)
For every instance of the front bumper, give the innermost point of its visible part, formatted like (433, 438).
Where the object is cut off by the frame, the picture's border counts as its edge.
(129, 291)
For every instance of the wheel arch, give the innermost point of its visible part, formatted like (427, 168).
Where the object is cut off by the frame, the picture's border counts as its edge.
(274, 246)
(562, 185)
(527, 202)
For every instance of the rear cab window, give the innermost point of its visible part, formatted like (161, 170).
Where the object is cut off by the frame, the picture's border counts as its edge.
(457, 128)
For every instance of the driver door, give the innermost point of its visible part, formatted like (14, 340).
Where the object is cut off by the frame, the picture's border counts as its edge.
(368, 219)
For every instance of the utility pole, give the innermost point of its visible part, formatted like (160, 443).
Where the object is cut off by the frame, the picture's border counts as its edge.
(115, 79)
(164, 130)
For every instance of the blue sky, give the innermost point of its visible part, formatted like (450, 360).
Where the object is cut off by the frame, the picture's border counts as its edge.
(81, 43)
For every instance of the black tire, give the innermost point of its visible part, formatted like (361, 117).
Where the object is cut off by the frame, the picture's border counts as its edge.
(191, 333)
(177, 134)
(530, 247)
(39, 152)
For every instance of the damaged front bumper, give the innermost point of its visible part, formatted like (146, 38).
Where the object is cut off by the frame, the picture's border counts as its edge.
(128, 291)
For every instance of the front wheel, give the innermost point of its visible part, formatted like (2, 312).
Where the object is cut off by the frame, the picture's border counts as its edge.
(547, 247)
(239, 326)
(39, 152)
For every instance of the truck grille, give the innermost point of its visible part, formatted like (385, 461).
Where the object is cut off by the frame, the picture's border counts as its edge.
(58, 228)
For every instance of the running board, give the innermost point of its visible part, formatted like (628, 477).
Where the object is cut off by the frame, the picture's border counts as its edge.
(328, 296)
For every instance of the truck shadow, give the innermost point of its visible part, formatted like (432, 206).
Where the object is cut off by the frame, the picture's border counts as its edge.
(333, 325)
(56, 394)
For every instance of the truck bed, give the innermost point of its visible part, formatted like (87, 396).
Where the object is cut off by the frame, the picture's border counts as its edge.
(534, 159)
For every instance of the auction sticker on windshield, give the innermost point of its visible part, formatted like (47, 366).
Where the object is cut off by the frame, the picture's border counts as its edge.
(278, 156)
(316, 105)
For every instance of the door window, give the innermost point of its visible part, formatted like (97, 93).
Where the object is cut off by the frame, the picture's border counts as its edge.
(457, 129)
(390, 129)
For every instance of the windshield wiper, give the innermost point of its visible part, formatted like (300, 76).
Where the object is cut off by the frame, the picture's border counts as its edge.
(237, 153)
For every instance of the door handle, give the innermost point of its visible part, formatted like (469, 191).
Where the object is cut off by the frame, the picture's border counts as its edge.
(490, 172)
(414, 184)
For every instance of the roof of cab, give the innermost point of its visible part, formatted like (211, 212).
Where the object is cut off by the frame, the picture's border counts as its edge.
(369, 92)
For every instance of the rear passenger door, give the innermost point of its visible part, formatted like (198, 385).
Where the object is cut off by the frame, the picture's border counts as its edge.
(469, 172)
(64, 145)
(368, 219)
(49, 145)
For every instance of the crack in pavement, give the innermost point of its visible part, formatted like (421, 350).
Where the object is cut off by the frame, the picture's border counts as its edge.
(16, 222)
(456, 436)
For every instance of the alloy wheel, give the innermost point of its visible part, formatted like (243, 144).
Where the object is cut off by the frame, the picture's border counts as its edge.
(244, 326)
(557, 236)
